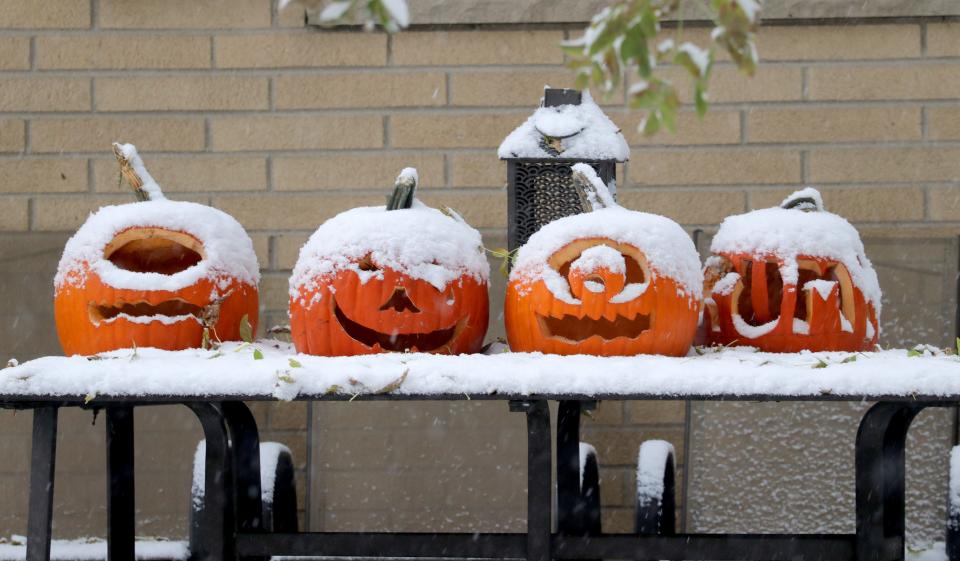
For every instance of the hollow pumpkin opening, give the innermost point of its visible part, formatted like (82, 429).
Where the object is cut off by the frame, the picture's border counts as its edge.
(759, 301)
(154, 250)
(576, 329)
(170, 308)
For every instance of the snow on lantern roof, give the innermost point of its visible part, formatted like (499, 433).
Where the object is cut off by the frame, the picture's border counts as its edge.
(567, 124)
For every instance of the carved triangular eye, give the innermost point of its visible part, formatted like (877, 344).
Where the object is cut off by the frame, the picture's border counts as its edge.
(400, 302)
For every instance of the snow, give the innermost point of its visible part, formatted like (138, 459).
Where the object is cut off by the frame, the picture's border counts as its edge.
(786, 234)
(129, 152)
(86, 549)
(668, 249)
(332, 12)
(750, 7)
(800, 327)
(651, 463)
(408, 175)
(735, 371)
(599, 257)
(953, 495)
(754, 331)
(937, 552)
(398, 11)
(228, 251)
(586, 132)
(270, 453)
(727, 284)
(421, 242)
(823, 287)
(166, 320)
(601, 196)
(700, 57)
(586, 450)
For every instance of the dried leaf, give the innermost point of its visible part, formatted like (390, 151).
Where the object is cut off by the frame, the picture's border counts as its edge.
(246, 330)
(294, 363)
(820, 364)
(89, 397)
(394, 385)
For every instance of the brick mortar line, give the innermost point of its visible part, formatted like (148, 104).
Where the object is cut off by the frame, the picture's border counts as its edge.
(441, 110)
(464, 68)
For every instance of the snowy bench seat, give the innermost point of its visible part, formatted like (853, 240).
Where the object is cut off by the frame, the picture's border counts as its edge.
(235, 371)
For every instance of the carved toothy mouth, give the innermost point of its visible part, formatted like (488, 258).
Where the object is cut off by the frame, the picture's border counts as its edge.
(576, 329)
(170, 311)
(422, 342)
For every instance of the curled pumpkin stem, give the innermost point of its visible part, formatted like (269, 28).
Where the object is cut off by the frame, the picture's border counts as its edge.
(403, 190)
(145, 188)
(594, 194)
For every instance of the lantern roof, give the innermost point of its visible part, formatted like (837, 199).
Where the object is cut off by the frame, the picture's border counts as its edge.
(567, 125)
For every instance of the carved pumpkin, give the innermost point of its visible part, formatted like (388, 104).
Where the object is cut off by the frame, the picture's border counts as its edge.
(607, 282)
(402, 278)
(791, 278)
(154, 273)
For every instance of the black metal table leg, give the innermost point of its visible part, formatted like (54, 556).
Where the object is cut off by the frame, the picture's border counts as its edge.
(569, 506)
(121, 505)
(215, 538)
(245, 442)
(43, 458)
(539, 480)
(880, 480)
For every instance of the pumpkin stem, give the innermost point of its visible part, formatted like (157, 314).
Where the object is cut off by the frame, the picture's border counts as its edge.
(136, 174)
(594, 194)
(403, 190)
(807, 200)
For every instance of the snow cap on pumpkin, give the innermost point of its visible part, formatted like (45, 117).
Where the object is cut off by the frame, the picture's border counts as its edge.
(582, 131)
(227, 248)
(800, 226)
(669, 250)
(420, 242)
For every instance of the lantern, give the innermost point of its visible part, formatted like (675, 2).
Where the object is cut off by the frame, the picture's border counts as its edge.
(610, 281)
(402, 278)
(155, 273)
(567, 128)
(791, 278)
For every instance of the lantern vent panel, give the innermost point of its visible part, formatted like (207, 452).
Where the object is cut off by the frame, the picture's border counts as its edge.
(541, 191)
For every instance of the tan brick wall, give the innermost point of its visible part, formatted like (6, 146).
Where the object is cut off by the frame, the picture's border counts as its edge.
(235, 105)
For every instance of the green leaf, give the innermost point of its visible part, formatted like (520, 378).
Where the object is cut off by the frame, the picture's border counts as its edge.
(820, 364)
(651, 124)
(246, 330)
(285, 377)
(294, 363)
(700, 99)
(257, 354)
(849, 359)
(913, 353)
(958, 346)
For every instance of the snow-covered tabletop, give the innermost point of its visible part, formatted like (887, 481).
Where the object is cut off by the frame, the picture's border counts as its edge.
(273, 370)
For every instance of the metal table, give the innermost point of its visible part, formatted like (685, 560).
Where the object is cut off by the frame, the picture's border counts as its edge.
(231, 520)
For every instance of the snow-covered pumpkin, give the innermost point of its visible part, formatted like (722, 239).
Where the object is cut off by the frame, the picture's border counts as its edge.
(405, 277)
(154, 273)
(791, 278)
(607, 282)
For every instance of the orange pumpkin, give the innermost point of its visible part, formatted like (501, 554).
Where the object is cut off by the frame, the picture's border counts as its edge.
(791, 278)
(404, 278)
(607, 282)
(154, 273)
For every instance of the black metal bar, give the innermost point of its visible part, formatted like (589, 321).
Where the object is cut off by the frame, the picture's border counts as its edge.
(570, 511)
(513, 219)
(367, 544)
(245, 442)
(701, 547)
(43, 459)
(121, 506)
(539, 480)
(214, 539)
(880, 480)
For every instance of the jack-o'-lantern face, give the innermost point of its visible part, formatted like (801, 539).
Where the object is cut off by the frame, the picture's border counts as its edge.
(602, 297)
(94, 316)
(404, 277)
(821, 311)
(789, 279)
(371, 309)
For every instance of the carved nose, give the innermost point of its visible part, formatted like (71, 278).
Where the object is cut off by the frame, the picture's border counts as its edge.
(399, 301)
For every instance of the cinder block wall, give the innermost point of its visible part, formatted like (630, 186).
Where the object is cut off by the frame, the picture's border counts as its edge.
(282, 125)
